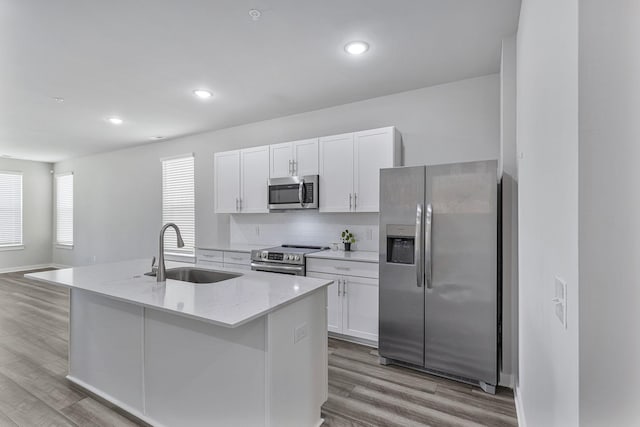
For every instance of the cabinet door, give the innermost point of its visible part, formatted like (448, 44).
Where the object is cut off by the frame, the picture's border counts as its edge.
(254, 170)
(280, 160)
(227, 181)
(334, 302)
(360, 312)
(373, 150)
(305, 157)
(336, 173)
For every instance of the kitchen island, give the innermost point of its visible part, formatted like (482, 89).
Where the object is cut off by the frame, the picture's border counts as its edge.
(247, 351)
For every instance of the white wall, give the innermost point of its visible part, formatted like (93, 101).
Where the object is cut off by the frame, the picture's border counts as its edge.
(118, 195)
(547, 138)
(609, 212)
(508, 164)
(36, 215)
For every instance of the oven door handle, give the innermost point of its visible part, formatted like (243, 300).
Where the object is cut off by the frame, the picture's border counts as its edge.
(258, 266)
(302, 193)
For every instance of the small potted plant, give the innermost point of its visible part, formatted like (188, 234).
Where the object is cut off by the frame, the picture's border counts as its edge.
(347, 238)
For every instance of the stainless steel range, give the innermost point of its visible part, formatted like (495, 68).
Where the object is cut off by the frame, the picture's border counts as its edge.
(286, 259)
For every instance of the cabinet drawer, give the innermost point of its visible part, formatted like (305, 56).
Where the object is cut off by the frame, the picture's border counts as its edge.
(345, 268)
(236, 258)
(209, 264)
(209, 255)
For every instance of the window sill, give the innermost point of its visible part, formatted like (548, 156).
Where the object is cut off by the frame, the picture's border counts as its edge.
(12, 248)
(63, 246)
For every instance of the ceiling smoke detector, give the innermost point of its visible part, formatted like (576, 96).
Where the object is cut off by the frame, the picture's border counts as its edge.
(255, 14)
(157, 137)
(58, 99)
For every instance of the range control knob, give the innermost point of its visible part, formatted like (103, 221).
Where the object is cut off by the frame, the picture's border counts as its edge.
(297, 257)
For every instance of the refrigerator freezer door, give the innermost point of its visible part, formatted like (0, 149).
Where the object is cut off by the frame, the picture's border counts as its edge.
(461, 296)
(401, 298)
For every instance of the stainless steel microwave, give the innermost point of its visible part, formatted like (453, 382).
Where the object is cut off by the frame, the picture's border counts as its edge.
(293, 192)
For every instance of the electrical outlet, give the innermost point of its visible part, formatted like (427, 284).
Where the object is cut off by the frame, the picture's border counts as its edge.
(300, 333)
(560, 300)
(369, 234)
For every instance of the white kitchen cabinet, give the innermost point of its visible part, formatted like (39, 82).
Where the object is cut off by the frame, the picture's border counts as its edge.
(220, 259)
(241, 178)
(373, 150)
(254, 171)
(227, 181)
(352, 301)
(360, 307)
(336, 173)
(350, 168)
(297, 158)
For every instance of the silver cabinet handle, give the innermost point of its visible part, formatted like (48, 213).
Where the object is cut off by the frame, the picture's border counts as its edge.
(290, 168)
(240, 203)
(417, 255)
(237, 208)
(355, 201)
(429, 252)
(344, 287)
(350, 196)
(341, 268)
(339, 292)
(295, 167)
(302, 193)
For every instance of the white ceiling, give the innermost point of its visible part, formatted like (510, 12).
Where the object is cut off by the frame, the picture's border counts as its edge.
(140, 60)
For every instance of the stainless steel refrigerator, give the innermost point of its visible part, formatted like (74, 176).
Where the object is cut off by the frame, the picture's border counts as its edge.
(439, 288)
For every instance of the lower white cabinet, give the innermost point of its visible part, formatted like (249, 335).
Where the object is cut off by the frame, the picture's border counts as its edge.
(352, 305)
(220, 259)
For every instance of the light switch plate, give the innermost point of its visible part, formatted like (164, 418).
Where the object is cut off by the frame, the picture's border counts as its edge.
(300, 333)
(560, 300)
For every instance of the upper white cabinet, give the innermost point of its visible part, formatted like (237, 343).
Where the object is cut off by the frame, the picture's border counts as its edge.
(241, 178)
(297, 158)
(350, 168)
(254, 171)
(227, 181)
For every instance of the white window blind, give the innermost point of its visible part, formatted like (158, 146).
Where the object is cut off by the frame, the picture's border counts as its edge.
(10, 209)
(178, 202)
(64, 209)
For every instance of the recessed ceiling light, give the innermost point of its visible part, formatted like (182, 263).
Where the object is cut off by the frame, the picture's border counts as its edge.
(157, 137)
(115, 120)
(202, 93)
(58, 99)
(356, 48)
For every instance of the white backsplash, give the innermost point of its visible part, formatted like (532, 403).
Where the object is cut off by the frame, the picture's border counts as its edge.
(307, 228)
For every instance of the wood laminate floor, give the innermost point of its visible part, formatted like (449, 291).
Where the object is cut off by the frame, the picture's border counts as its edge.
(34, 391)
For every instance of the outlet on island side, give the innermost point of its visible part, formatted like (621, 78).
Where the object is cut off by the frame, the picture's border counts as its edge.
(300, 333)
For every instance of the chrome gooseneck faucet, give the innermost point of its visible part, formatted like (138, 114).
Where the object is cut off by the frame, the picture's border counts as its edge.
(161, 274)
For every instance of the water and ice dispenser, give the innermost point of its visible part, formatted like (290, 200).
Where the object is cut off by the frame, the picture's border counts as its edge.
(401, 241)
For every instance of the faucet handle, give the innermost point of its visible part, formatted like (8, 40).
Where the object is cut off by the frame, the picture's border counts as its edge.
(153, 263)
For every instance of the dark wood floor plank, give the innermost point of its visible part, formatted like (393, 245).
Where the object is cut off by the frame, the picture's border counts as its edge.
(25, 409)
(87, 412)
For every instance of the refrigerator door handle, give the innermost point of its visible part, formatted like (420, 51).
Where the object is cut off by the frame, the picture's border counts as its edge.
(418, 247)
(427, 244)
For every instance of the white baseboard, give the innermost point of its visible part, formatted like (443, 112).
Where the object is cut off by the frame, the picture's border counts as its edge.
(31, 267)
(522, 422)
(24, 268)
(506, 380)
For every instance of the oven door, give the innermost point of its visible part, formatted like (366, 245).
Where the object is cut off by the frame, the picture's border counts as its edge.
(294, 270)
(294, 192)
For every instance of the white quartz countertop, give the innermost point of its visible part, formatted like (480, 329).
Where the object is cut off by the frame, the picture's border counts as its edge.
(362, 256)
(232, 247)
(227, 303)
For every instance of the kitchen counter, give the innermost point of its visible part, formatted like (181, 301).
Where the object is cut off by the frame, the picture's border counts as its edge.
(248, 351)
(227, 303)
(362, 256)
(232, 247)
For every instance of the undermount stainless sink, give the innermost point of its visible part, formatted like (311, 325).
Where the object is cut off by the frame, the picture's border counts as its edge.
(197, 275)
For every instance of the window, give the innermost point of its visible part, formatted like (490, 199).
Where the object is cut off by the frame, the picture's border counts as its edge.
(11, 210)
(178, 202)
(64, 210)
